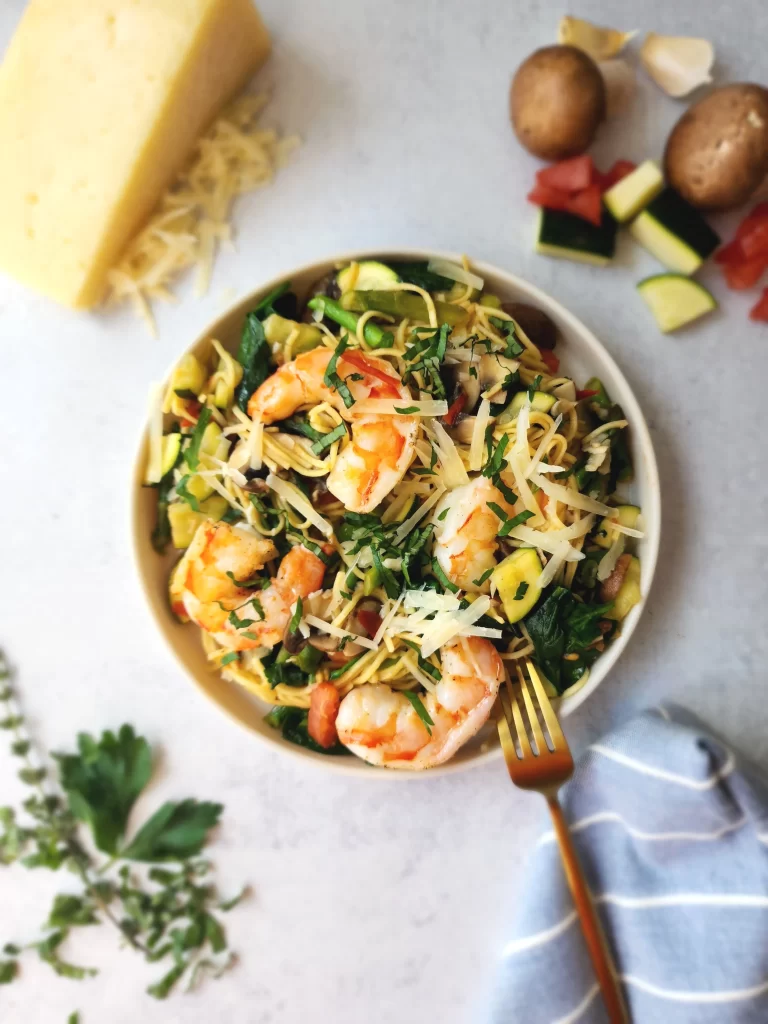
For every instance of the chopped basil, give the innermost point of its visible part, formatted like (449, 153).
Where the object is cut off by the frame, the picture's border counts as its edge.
(182, 492)
(229, 658)
(513, 522)
(521, 591)
(192, 453)
(483, 578)
(326, 440)
(338, 672)
(420, 710)
(331, 378)
(252, 581)
(443, 514)
(534, 386)
(437, 570)
(514, 347)
(298, 425)
(185, 393)
(387, 576)
(493, 466)
(407, 410)
(258, 608)
(237, 622)
(293, 625)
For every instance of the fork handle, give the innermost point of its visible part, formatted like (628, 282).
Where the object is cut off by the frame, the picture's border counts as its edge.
(590, 924)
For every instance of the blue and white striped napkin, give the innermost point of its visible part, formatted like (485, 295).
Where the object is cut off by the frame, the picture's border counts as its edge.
(672, 832)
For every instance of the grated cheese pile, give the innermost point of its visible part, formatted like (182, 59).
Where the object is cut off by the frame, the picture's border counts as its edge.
(235, 156)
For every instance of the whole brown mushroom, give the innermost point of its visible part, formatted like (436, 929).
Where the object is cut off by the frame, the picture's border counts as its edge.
(717, 154)
(557, 102)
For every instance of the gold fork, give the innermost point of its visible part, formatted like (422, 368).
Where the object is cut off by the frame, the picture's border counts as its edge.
(545, 769)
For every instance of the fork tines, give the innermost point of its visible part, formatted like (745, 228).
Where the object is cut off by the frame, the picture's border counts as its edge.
(531, 729)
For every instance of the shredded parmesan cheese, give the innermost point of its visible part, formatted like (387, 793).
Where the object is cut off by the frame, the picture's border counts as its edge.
(541, 451)
(454, 474)
(607, 563)
(405, 528)
(294, 497)
(478, 436)
(235, 156)
(554, 565)
(571, 497)
(445, 628)
(326, 627)
(455, 273)
(549, 541)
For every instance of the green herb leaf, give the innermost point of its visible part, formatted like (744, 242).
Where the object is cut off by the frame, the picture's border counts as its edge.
(253, 581)
(326, 440)
(294, 725)
(8, 971)
(238, 623)
(73, 1018)
(337, 673)
(69, 910)
(522, 590)
(267, 305)
(232, 515)
(103, 781)
(507, 327)
(299, 425)
(215, 934)
(420, 710)
(174, 832)
(183, 493)
(254, 357)
(534, 386)
(388, 580)
(192, 451)
(483, 578)
(332, 380)
(162, 989)
(510, 524)
(293, 625)
(437, 570)
(494, 464)
(407, 410)
(443, 514)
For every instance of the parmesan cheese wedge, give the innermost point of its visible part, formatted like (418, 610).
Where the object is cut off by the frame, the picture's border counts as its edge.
(101, 103)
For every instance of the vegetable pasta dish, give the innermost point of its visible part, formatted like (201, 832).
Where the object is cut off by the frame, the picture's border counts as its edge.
(385, 499)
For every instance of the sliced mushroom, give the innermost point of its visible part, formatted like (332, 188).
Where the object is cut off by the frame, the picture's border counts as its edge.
(464, 429)
(492, 370)
(332, 645)
(611, 586)
(539, 327)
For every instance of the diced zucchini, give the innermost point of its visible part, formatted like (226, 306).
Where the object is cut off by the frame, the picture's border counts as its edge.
(188, 375)
(402, 304)
(675, 300)
(516, 581)
(675, 233)
(169, 452)
(371, 580)
(185, 521)
(213, 443)
(626, 515)
(489, 299)
(370, 274)
(541, 402)
(632, 194)
(563, 235)
(629, 595)
(277, 330)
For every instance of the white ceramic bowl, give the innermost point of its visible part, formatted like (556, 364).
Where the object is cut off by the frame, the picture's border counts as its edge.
(582, 356)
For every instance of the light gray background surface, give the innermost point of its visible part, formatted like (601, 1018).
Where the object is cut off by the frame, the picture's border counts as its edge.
(384, 902)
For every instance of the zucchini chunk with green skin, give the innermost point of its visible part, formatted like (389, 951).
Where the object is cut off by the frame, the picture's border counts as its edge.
(170, 445)
(370, 274)
(188, 375)
(676, 234)
(541, 402)
(675, 300)
(212, 443)
(563, 235)
(277, 331)
(185, 521)
(626, 515)
(515, 580)
(632, 194)
(630, 593)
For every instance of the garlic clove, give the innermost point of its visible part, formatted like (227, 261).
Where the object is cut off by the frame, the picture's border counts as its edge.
(600, 43)
(620, 85)
(677, 64)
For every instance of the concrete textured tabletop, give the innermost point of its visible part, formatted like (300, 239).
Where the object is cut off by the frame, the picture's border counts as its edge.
(384, 902)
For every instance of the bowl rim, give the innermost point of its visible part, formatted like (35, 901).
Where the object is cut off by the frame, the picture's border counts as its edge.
(651, 504)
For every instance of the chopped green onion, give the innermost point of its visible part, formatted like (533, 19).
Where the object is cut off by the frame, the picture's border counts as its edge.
(420, 710)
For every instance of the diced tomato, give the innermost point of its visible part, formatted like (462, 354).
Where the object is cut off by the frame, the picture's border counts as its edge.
(755, 242)
(359, 361)
(585, 394)
(551, 198)
(456, 407)
(179, 610)
(731, 253)
(323, 709)
(619, 170)
(369, 620)
(760, 213)
(745, 274)
(572, 175)
(541, 500)
(551, 360)
(760, 311)
(587, 204)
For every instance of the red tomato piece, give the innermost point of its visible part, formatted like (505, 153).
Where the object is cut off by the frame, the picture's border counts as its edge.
(359, 361)
(369, 620)
(551, 198)
(619, 170)
(746, 274)
(549, 357)
(760, 213)
(731, 253)
(323, 709)
(587, 204)
(585, 394)
(455, 409)
(760, 311)
(755, 242)
(572, 175)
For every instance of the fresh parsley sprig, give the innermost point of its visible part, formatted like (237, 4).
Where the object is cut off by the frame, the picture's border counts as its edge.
(166, 913)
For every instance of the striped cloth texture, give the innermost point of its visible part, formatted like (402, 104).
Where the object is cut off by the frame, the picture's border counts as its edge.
(671, 828)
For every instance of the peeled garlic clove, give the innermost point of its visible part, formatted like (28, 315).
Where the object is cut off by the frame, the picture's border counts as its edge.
(600, 43)
(620, 85)
(677, 64)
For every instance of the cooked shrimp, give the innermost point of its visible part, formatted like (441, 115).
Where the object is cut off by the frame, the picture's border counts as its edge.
(381, 448)
(465, 539)
(202, 590)
(381, 725)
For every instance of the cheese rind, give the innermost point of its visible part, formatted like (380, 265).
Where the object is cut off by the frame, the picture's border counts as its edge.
(101, 103)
